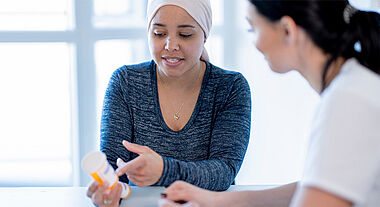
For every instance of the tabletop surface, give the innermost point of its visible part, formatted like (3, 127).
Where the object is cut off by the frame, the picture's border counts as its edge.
(76, 196)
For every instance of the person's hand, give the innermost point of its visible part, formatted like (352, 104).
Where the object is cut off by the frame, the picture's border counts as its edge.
(101, 197)
(144, 170)
(186, 195)
(168, 203)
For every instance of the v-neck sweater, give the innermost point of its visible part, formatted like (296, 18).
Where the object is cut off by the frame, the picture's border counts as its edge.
(208, 151)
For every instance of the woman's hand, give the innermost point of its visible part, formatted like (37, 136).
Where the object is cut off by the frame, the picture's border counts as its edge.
(144, 170)
(101, 197)
(186, 195)
(167, 203)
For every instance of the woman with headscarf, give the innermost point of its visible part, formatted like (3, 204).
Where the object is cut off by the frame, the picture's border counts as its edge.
(177, 117)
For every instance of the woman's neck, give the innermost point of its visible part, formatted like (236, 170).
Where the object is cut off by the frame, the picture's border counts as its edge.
(312, 70)
(187, 82)
(333, 71)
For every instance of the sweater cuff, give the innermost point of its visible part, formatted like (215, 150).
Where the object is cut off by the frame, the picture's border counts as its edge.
(169, 173)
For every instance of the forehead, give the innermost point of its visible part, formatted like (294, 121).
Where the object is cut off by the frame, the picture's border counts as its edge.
(252, 13)
(257, 19)
(171, 14)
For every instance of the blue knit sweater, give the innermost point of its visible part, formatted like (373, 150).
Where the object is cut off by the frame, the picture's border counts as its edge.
(207, 152)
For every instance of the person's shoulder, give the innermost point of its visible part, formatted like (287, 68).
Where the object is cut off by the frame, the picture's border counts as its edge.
(225, 76)
(139, 68)
(355, 81)
(219, 72)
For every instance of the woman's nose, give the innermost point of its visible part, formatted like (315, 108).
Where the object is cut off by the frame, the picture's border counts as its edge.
(171, 44)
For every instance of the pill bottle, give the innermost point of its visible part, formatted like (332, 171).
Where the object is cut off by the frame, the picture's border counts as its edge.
(96, 164)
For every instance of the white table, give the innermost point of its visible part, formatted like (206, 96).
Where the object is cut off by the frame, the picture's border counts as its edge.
(76, 196)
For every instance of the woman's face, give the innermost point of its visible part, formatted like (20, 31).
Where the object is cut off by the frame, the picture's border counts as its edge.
(175, 41)
(271, 41)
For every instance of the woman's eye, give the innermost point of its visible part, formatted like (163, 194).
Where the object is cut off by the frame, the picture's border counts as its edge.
(185, 35)
(157, 34)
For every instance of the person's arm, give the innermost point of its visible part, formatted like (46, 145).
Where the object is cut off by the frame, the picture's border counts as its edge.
(116, 124)
(275, 197)
(314, 197)
(228, 144)
(184, 192)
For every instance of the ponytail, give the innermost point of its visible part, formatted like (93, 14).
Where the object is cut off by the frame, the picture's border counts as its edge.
(367, 27)
(361, 40)
(334, 26)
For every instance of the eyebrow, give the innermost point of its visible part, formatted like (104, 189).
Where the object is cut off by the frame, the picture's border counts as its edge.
(179, 26)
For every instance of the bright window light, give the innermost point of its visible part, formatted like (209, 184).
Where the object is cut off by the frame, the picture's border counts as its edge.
(35, 111)
(36, 15)
(119, 13)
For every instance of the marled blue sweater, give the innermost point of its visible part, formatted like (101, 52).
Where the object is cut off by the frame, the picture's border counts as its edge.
(207, 152)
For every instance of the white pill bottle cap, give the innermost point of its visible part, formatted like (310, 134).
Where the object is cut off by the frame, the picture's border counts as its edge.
(96, 164)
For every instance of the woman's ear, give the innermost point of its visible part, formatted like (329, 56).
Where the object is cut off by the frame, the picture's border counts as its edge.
(289, 29)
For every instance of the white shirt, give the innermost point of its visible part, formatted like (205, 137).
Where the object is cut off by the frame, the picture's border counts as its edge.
(344, 149)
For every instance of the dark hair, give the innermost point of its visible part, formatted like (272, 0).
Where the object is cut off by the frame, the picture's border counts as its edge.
(323, 21)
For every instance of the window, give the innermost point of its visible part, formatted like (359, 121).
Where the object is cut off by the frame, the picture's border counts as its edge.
(35, 114)
(22, 15)
(58, 56)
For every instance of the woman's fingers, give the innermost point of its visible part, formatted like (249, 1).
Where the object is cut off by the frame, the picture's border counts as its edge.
(177, 185)
(115, 194)
(138, 180)
(146, 169)
(135, 148)
(131, 167)
(120, 163)
(100, 194)
(178, 190)
(181, 191)
(181, 196)
(167, 203)
(92, 188)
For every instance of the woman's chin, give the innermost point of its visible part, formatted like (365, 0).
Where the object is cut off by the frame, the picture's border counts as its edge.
(172, 72)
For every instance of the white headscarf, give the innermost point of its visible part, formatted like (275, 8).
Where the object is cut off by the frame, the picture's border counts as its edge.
(200, 10)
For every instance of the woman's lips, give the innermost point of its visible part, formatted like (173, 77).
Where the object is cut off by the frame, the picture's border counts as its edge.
(172, 61)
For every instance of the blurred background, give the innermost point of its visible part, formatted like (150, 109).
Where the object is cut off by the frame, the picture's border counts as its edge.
(56, 57)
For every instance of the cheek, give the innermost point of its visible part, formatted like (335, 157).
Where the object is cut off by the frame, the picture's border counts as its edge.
(154, 46)
(269, 51)
(261, 41)
(279, 62)
(194, 48)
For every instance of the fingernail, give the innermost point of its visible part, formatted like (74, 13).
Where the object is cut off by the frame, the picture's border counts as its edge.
(164, 195)
(125, 142)
(119, 161)
(120, 164)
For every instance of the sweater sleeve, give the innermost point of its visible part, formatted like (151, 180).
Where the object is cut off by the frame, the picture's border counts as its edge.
(116, 124)
(229, 141)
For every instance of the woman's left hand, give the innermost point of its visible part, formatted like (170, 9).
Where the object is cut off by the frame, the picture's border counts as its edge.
(102, 197)
(144, 170)
(168, 203)
(182, 194)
